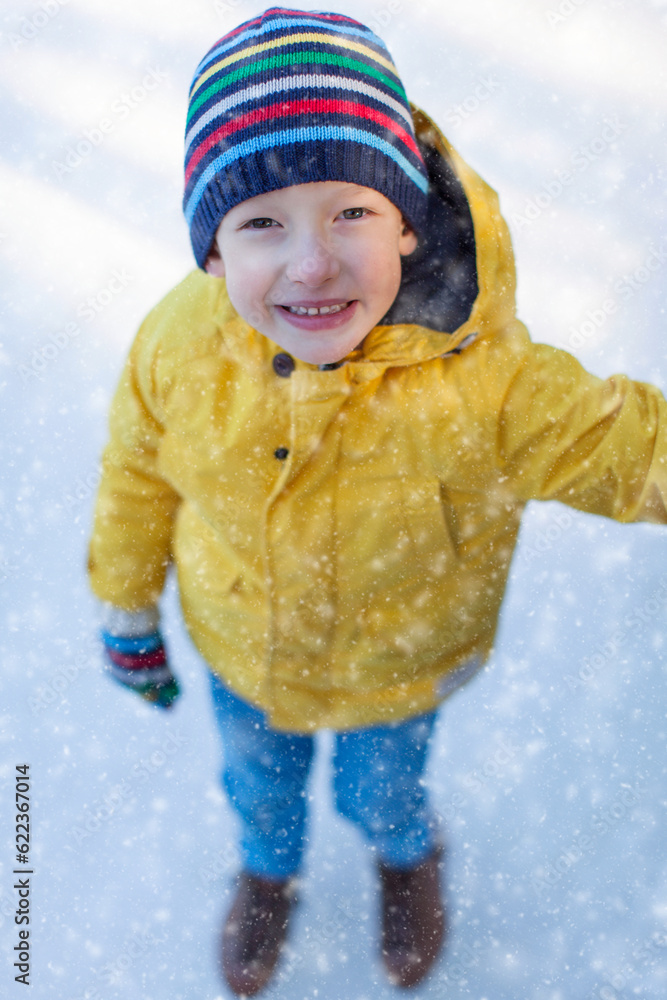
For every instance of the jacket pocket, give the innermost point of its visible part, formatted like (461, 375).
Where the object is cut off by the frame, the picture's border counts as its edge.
(205, 563)
(397, 583)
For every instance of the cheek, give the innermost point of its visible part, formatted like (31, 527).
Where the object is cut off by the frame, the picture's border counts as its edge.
(378, 267)
(241, 281)
(386, 272)
(235, 288)
(247, 295)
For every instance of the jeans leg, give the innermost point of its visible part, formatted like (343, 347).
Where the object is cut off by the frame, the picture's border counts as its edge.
(378, 785)
(264, 774)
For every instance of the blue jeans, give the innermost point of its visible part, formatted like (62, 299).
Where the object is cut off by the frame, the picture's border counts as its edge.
(377, 785)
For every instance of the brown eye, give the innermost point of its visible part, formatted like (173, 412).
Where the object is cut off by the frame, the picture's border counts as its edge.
(259, 224)
(353, 213)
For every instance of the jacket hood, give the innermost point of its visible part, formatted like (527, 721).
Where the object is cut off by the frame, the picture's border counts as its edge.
(439, 284)
(460, 282)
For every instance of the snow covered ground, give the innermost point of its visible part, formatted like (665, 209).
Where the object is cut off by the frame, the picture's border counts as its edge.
(549, 770)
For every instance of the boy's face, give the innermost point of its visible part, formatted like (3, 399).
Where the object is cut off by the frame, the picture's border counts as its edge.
(314, 267)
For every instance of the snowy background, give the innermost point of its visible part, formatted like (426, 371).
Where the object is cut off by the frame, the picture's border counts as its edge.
(549, 770)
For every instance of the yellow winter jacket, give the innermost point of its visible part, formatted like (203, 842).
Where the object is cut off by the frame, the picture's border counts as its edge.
(342, 536)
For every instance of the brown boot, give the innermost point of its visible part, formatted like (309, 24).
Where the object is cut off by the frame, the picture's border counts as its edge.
(413, 919)
(255, 931)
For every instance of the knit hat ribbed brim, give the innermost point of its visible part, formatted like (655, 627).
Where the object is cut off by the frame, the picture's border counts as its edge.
(292, 97)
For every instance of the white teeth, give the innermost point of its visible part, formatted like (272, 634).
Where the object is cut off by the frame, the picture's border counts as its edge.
(315, 311)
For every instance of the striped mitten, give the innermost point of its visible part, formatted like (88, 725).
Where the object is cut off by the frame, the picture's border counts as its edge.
(135, 656)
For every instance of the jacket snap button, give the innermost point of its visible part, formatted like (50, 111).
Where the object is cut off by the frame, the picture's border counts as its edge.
(283, 365)
(281, 452)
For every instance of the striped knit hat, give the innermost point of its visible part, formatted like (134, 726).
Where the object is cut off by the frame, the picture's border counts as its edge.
(291, 97)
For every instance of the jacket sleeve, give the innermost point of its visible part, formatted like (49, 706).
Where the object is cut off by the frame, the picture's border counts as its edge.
(130, 546)
(599, 445)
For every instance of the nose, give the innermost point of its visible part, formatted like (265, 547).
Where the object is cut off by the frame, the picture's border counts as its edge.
(311, 261)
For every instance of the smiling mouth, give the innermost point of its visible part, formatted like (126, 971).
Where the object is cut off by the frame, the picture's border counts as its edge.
(316, 310)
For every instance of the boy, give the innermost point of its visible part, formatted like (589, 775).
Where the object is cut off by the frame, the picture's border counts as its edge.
(332, 433)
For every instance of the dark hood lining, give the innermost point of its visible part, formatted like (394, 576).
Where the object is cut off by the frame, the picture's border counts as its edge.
(439, 282)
